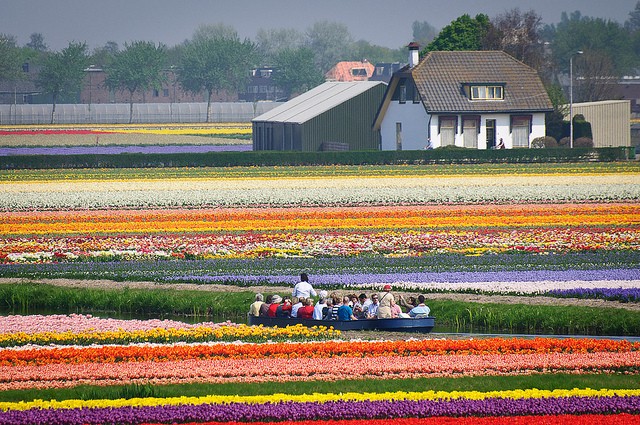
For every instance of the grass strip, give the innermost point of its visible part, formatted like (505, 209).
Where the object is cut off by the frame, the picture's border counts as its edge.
(30, 298)
(33, 298)
(480, 383)
(319, 171)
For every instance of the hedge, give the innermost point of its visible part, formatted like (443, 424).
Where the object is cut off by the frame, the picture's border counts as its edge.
(280, 158)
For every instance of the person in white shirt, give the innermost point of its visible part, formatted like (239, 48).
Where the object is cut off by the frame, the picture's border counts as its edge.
(303, 289)
(372, 310)
(322, 304)
(361, 305)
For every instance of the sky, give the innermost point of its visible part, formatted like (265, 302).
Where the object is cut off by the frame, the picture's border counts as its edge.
(380, 22)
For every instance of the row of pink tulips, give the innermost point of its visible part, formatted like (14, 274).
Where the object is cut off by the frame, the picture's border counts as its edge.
(295, 369)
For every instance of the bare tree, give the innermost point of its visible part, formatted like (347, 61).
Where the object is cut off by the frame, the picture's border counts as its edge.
(519, 34)
(595, 77)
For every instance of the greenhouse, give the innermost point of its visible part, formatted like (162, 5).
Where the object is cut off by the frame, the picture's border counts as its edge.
(118, 113)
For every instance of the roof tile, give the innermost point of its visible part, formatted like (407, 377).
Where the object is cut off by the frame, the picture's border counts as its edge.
(440, 77)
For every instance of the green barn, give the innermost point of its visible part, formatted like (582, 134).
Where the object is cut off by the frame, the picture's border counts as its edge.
(332, 116)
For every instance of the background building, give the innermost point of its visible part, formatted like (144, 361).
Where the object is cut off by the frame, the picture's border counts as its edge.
(332, 116)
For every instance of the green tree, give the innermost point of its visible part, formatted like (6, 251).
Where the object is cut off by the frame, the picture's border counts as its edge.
(103, 56)
(633, 23)
(576, 32)
(214, 64)
(212, 31)
(330, 42)
(63, 73)
(465, 33)
(10, 58)
(423, 32)
(295, 71)
(554, 120)
(36, 42)
(139, 67)
(270, 42)
(362, 49)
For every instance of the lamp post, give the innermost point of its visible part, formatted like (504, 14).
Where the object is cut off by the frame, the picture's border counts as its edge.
(579, 52)
(89, 70)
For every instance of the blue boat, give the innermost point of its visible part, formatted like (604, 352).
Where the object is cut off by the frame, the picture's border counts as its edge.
(401, 324)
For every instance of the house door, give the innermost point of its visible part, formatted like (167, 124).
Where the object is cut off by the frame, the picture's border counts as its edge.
(399, 136)
(470, 132)
(520, 132)
(447, 131)
(491, 134)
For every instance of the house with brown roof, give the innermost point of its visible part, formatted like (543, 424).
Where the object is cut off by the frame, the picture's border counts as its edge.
(349, 71)
(472, 99)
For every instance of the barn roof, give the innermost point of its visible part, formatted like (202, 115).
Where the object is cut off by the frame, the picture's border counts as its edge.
(316, 101)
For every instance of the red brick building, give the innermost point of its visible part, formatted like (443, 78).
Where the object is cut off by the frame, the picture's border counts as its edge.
(94, 91)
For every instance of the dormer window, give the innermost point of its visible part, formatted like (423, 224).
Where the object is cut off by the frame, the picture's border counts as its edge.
(358, 72)
(487, 93)
(403, 94)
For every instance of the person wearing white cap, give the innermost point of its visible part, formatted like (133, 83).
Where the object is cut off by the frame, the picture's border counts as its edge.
(275, 302)
(318, 312)
(303, 289)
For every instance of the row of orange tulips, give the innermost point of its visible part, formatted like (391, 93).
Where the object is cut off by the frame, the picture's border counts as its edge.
(207, 220)
(311, 349)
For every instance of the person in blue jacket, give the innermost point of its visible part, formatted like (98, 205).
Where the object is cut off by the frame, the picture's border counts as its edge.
(344, 311)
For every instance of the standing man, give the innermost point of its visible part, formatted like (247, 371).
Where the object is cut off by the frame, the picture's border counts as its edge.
(303, 289)
(386, 302)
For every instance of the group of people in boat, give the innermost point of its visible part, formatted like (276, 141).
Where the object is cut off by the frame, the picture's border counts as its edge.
(302, 305)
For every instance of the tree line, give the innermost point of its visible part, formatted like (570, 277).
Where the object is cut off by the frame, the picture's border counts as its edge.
(216, 59)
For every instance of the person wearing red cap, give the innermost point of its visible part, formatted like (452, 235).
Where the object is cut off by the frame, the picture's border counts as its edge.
(386, 301)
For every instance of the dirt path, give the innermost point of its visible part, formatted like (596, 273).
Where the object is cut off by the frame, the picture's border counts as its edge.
(486, 299)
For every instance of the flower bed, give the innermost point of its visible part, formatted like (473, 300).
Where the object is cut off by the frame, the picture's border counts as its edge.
(167, 129)
(520, 234)
(168, 362)
(316, 192)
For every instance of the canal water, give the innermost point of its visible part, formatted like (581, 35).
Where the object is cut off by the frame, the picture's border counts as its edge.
(439, 331)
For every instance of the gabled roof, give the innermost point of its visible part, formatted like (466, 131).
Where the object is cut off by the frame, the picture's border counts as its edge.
(342, 71)
(440, 77)
(316, 101)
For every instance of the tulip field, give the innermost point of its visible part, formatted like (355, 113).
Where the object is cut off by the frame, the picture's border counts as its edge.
(543, 230)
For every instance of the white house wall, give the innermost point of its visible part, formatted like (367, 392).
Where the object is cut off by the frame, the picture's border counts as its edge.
(414, 120)
(415, 128)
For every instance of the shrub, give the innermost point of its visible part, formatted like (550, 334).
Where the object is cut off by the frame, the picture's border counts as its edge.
(564, 143)
(583, 142)
(544, 142)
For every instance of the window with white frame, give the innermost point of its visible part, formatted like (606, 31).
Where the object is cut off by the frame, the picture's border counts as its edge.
(487, 93)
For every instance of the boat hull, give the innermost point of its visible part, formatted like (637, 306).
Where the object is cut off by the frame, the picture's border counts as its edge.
(423, 325)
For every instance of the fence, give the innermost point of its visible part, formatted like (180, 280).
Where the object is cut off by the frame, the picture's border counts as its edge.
(118, 113)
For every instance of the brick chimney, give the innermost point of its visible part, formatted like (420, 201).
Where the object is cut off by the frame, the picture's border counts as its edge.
(414, 54)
